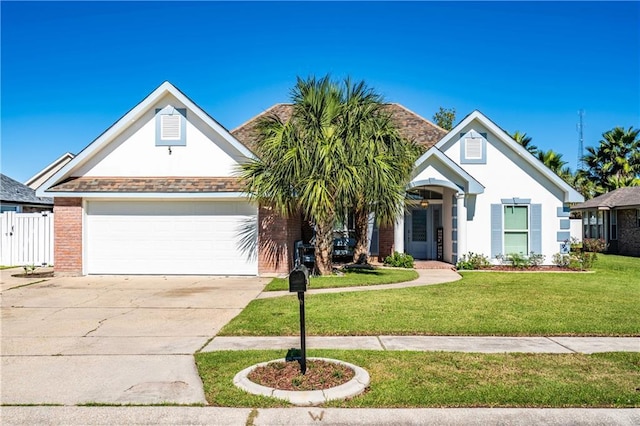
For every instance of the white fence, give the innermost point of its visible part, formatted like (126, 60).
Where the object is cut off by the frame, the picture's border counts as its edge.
(26, 239)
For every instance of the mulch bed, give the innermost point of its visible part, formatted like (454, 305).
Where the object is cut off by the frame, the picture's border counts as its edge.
(35, 275)
(542, 268)
(287, 376)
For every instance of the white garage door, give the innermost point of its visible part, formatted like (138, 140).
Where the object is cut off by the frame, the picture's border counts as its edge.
(169, 237)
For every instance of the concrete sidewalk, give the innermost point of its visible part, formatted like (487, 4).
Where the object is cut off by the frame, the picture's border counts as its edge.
(425, 277)
(482, 344)
(314, 416)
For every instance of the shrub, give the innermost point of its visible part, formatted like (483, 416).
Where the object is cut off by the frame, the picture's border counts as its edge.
(578, 261)
(399, 260)
(518, 260)
(473, 260)
(561, 260)
(594, 245)
(536, 259)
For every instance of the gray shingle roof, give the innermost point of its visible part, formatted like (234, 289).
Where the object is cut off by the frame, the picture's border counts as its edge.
(619, 198)
(12, 191)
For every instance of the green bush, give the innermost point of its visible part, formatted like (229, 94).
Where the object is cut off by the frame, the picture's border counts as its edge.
(399, 260)
(472, 261)
(594, 245)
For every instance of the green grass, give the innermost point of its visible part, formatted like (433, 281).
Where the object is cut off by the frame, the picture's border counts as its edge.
(442, 379)
(7, 267)
(351, 278)
(604, 303)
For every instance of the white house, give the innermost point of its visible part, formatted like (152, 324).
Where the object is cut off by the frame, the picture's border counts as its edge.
(487, 194)
(156, 193)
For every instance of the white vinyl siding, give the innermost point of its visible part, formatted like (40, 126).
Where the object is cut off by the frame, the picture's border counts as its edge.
(171, 237)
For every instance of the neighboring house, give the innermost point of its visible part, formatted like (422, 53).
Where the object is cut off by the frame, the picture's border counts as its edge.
(157, 194)
(16, 197)
(41, 177)
(614, 217)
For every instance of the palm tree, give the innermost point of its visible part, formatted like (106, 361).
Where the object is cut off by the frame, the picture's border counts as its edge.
(552, 160)
(525, 141)
(327, 159)
(382, 157)
(615, 162)
(300, 165)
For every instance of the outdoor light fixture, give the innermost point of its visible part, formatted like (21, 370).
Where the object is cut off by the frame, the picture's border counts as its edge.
(424, 204)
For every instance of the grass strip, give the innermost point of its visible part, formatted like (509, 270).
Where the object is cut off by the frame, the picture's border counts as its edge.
(351, 278)
(603, 303)
(451, 379)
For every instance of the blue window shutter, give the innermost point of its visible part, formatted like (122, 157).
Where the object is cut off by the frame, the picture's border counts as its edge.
(496, 229)
(536, 228)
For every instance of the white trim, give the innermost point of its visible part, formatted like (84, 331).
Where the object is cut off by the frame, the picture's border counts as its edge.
(66, 157)
(138, 111)
(472, 185)
(570, 194)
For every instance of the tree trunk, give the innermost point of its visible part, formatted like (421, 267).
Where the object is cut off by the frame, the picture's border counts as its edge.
(324, 248)
(361, 224)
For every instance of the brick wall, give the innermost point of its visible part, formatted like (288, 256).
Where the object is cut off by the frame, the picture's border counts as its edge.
(628, 233)
(68, 236)
(385, 242)
(276, 236)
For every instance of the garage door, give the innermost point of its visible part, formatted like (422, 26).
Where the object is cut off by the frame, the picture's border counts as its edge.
(168, 237)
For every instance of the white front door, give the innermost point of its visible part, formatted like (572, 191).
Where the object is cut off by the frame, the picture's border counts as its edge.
(171, 237)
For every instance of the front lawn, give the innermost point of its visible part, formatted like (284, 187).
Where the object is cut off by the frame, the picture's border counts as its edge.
(604, 303)
(441, 379)
(351, 278)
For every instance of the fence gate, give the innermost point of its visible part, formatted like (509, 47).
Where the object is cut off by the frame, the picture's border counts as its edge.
(26, 239)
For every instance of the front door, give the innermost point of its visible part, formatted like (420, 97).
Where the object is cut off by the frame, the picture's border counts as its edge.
(421, 227)
(418, 242)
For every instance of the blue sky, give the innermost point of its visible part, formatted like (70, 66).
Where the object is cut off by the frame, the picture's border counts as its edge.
(71, 69)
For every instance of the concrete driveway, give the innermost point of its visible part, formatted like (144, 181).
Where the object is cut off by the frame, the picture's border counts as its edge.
(112, 339)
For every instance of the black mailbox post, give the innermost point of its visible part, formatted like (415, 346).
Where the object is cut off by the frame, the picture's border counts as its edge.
(298, 282)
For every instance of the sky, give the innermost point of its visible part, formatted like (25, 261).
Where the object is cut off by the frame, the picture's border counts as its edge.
(69, 70)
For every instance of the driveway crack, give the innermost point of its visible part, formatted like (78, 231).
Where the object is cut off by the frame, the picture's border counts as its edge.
(104, 319)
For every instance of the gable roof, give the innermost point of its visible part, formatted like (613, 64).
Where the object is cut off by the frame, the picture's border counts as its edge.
(34, 181)
(436, 158)
(12, 191)
(411, 125)
(125, 121)
(619, 198)
(570, 194)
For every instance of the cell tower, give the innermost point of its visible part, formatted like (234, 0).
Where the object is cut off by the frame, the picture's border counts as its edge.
(579, 128)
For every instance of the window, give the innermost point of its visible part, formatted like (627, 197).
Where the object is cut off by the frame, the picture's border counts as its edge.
(613, 225)
(516, 229)
(592, 221)
(171, 126)
(473, 148)
(638, 217)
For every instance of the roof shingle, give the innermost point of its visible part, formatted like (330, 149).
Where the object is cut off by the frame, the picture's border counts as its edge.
(13, 191)
(411, 125)
(619, 198)
(149, 184)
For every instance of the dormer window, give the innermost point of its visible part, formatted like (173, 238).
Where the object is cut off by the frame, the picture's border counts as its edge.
(170, 126)
(473, 148)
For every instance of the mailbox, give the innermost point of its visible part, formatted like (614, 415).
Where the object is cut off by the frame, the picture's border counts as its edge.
(299, 279)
